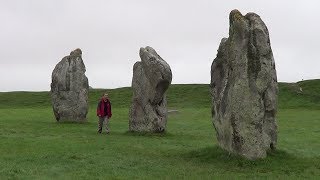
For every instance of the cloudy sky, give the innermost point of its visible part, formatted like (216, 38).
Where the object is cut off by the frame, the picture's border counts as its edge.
(36, 34)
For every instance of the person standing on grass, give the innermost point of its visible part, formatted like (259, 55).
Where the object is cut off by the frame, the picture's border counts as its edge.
(104, 113)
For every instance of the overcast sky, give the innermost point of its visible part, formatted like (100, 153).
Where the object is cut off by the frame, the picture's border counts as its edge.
(36, 34)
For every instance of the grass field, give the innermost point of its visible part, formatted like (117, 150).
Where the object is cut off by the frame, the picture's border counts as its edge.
(34, 146)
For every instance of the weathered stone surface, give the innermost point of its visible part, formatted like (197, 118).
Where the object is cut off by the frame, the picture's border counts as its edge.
(151, 78)
(69, 89)
(244, 88)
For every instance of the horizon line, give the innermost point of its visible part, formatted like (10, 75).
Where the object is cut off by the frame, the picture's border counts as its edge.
(91, 88)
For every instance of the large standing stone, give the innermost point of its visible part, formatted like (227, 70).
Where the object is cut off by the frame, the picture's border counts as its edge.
(151, 78)
(244, 88)
(69, 89)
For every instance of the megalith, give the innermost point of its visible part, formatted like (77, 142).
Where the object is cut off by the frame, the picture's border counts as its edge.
(69, 89)
(244, 88)
(151, 78)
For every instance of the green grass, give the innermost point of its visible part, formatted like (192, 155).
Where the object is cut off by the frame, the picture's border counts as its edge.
(291, 97)
(34, 146)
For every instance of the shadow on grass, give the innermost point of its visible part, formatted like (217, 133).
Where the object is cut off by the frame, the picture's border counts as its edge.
(70, 122)
(277, 160)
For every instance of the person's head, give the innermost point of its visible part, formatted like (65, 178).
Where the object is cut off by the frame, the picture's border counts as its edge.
(105, 96)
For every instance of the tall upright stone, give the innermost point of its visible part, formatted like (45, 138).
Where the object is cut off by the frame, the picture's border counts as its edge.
(244, 88)
(69, 89)
(151, 78)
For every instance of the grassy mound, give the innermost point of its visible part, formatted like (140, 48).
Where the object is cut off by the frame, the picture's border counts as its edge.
(179, 96)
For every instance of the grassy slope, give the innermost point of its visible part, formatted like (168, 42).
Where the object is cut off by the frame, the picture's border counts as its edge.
(291, 97)
(180, 96)
(32, 145)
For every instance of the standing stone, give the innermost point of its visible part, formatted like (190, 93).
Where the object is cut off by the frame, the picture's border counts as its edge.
(151, 78)
(69, 89)
(244, 88)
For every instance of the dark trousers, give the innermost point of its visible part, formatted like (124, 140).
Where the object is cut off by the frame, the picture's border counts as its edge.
(103, 120)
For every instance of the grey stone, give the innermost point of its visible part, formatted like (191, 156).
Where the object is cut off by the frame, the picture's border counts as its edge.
(69, 89)
(244, 88)
(151, 78)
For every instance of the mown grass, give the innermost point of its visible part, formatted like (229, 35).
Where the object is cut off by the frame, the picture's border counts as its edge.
(34, 146)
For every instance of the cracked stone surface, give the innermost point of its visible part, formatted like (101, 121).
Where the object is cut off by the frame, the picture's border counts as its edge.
(244, 88)
(69, 89)
(152, 77)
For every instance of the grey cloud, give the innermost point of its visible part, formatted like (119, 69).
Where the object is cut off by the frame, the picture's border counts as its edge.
(37, 34)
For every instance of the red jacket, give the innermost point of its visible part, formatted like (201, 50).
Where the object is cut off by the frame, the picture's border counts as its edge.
(104, 108)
